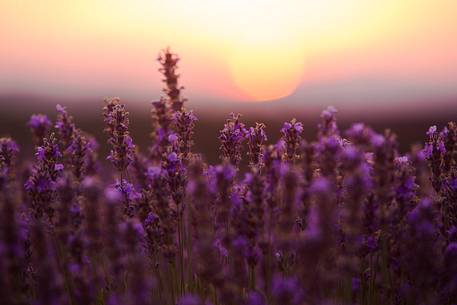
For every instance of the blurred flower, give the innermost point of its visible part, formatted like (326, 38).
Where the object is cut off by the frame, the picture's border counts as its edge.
(169, 62)
(8, 152)
(328, 127)
(40, 125)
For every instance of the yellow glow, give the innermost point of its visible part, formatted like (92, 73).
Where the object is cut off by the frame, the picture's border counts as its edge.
(261, 49)
(266, 68)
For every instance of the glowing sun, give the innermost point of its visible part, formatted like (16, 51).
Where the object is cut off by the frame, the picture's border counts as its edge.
(266, 68)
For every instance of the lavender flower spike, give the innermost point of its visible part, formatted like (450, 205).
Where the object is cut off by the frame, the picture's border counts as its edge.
(123, 149)
(256, 142)
(65, 126)
(232, 137)
(291, 134)
(184, 123)
(40, 125)
(169, 63)
(8, 152)
(328, 127)
(41, 184)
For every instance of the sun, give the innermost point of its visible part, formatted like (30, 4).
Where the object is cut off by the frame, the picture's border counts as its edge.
(266, 55)
(266, 67)
(263, 48)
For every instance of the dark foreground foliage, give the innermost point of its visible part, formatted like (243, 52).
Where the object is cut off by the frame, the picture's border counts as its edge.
(344, 219)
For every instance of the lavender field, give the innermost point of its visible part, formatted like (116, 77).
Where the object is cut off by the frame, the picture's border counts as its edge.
(343, 218)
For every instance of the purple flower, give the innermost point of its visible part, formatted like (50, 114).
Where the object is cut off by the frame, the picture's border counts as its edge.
(128, 190)
(172, 138)
(161, 119)
(291, 135)
(150, 219)
(65, 126)
(184, 124)
(328, 127)
(172, 89)
(421, 219)
(8, 152)
(434, 151)
(377, 140)
(41, 184)
(153, 172)
(81, 155)
(113, 195)
(190, 300)
(130, 195)
(225, 172)
(173, 158)
(256, 138)
(356, 283)
(453, 184)
(287, 291)
(255, 298)
(40, 125)
(117, 124)
(232, 137)
(432, 131)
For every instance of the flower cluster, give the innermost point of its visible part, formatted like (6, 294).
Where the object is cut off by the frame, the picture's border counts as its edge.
(117, 127)
(291, 133)
(172, 89)
(8, 152)
(64, 126)
(232, 137)
(41, 185)
(39, 125)
(345, 218)
(256, 137)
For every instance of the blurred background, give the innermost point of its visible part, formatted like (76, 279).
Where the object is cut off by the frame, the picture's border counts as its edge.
(389, 63)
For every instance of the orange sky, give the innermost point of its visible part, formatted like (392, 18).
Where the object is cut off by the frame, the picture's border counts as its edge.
(317, 50)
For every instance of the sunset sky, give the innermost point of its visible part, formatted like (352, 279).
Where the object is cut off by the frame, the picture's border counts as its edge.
(315, 51)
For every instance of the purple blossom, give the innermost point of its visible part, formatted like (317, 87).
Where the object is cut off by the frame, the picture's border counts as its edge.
(176, 177)
(130, 196)
(8, 152)
(328, 127)
(232, 137)
(256, 143)
(117, 124)
(40, 125)
(64, 126)
(432, 131)
(150, 219)
(172, 89)
(434, 150)
(291, 135)
(81, 156)
(184, 124)
(190, 300)
(162, 118)
(172, 138)
(41, 184)
(255, 298)
(287, 291)
(377, 140)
